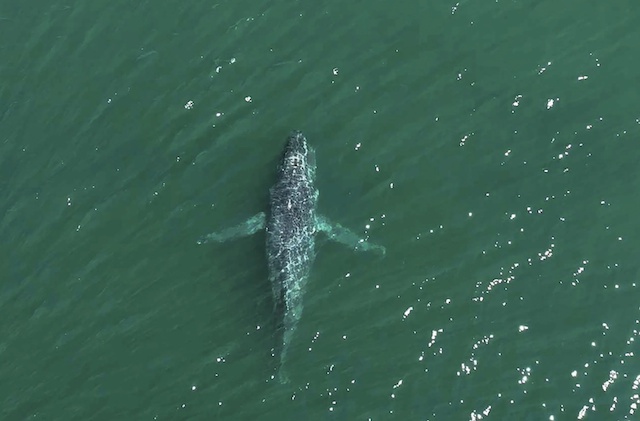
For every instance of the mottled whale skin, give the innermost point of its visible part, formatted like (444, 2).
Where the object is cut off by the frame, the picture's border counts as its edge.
(291, 230)
(291, 227)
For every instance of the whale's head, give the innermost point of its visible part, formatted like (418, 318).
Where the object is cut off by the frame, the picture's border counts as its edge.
(299, 161)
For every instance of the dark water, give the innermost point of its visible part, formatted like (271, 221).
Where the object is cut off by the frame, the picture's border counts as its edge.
(492, 147)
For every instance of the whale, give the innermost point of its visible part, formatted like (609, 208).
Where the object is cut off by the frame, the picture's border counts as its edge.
(291, 225)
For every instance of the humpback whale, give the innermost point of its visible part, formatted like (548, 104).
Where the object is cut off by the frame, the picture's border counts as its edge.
(291, 226)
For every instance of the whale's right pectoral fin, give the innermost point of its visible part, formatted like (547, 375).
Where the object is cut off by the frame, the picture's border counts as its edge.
(345, 236)
(248, 227)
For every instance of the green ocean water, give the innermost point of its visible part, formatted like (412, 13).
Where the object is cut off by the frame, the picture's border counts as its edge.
(491, 146)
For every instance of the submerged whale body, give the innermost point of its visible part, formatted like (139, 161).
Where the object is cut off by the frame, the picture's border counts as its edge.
(291, 227)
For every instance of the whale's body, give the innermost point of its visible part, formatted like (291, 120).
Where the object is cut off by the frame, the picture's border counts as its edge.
(291, 227)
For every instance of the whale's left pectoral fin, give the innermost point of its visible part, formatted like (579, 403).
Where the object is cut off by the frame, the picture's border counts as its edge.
(345, 236)
(248, 227)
